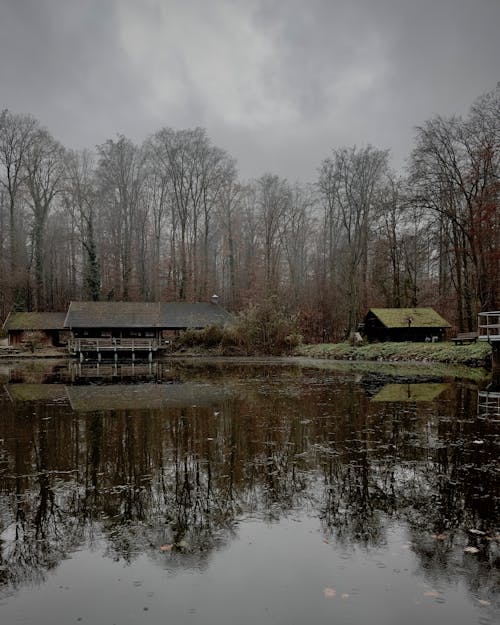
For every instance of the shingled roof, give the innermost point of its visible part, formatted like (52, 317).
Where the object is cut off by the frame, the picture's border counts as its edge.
(34, 321)
(164, 315)
(113, 315)
(178, 315)
(420, 317)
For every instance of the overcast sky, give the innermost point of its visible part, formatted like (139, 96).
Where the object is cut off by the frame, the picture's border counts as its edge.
(277, 83)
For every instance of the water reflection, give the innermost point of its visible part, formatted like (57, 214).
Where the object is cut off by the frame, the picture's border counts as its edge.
(172, 466)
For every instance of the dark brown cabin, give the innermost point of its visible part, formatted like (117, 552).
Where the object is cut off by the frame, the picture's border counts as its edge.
(404, 324)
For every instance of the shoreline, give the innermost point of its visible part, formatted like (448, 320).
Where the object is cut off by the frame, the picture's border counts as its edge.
(391, 368)
(475, 355)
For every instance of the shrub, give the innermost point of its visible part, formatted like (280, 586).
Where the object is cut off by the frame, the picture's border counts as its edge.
(266, 328)
(262, 329)
(208, 337)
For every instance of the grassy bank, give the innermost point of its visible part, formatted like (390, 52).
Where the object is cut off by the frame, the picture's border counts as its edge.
(474, 355)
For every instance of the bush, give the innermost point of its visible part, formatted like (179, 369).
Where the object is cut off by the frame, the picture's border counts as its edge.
(208, 337)
(266, 328)
(261, 329)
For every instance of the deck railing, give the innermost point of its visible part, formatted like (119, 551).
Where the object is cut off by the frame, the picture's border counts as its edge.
(488, 405)
(488, 324)
(111, 345)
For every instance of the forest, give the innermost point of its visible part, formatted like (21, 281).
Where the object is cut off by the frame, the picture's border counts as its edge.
(171, 219)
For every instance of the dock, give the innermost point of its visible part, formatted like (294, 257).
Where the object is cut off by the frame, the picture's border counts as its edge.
(95, 348)
(489, 330)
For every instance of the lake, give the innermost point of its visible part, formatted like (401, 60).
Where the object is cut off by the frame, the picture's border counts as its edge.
(251, 492)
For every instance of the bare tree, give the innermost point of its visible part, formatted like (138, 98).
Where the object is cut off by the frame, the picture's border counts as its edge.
(351, 186)
(80, 201)
(455, 173)
(120, 176)
(16, 135)
(44, 172)
(273, 197)
(297, 239)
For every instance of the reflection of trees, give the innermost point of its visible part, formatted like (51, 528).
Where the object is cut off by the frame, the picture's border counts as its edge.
(38, 532)
(184, 476)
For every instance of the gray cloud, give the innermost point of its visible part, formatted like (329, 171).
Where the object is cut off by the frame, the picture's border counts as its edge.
(276, 83)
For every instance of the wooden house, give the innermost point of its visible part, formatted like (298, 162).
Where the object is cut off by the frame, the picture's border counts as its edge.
(114, 327)
(404, 324)
(126, 320)
(35, 328)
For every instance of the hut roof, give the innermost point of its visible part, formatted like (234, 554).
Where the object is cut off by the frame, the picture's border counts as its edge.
(420, 317)
(34, 321)
(113, 315)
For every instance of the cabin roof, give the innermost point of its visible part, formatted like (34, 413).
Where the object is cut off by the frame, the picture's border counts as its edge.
(166, 315)
(34, 321)
(113, 315)
(420, 317)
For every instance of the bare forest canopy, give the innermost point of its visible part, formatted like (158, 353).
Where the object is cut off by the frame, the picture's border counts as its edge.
(171, 220)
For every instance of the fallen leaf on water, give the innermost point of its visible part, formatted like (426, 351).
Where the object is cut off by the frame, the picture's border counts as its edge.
(440, 536)
(329, 593)
(345, 595)
(431, 593)
(166, 547)
(471, 550)
(484, 602)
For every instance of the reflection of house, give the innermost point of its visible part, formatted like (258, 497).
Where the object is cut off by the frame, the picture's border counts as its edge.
(37, 328)
(404, 324)
(145, 396)
(90, 398)
(422, 391)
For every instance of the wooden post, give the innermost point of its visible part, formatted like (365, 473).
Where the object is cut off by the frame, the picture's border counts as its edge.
(495, 362)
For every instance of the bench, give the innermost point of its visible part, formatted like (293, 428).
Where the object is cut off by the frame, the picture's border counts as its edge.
(465, 337)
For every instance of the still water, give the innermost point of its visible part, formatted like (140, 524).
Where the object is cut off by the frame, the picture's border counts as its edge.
(246, 494)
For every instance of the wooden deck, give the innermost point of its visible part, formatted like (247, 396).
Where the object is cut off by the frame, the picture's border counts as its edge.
(489, 326)
(93, 347)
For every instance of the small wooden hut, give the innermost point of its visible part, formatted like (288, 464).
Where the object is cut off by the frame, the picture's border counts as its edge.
(404, 324)
(35, 328)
